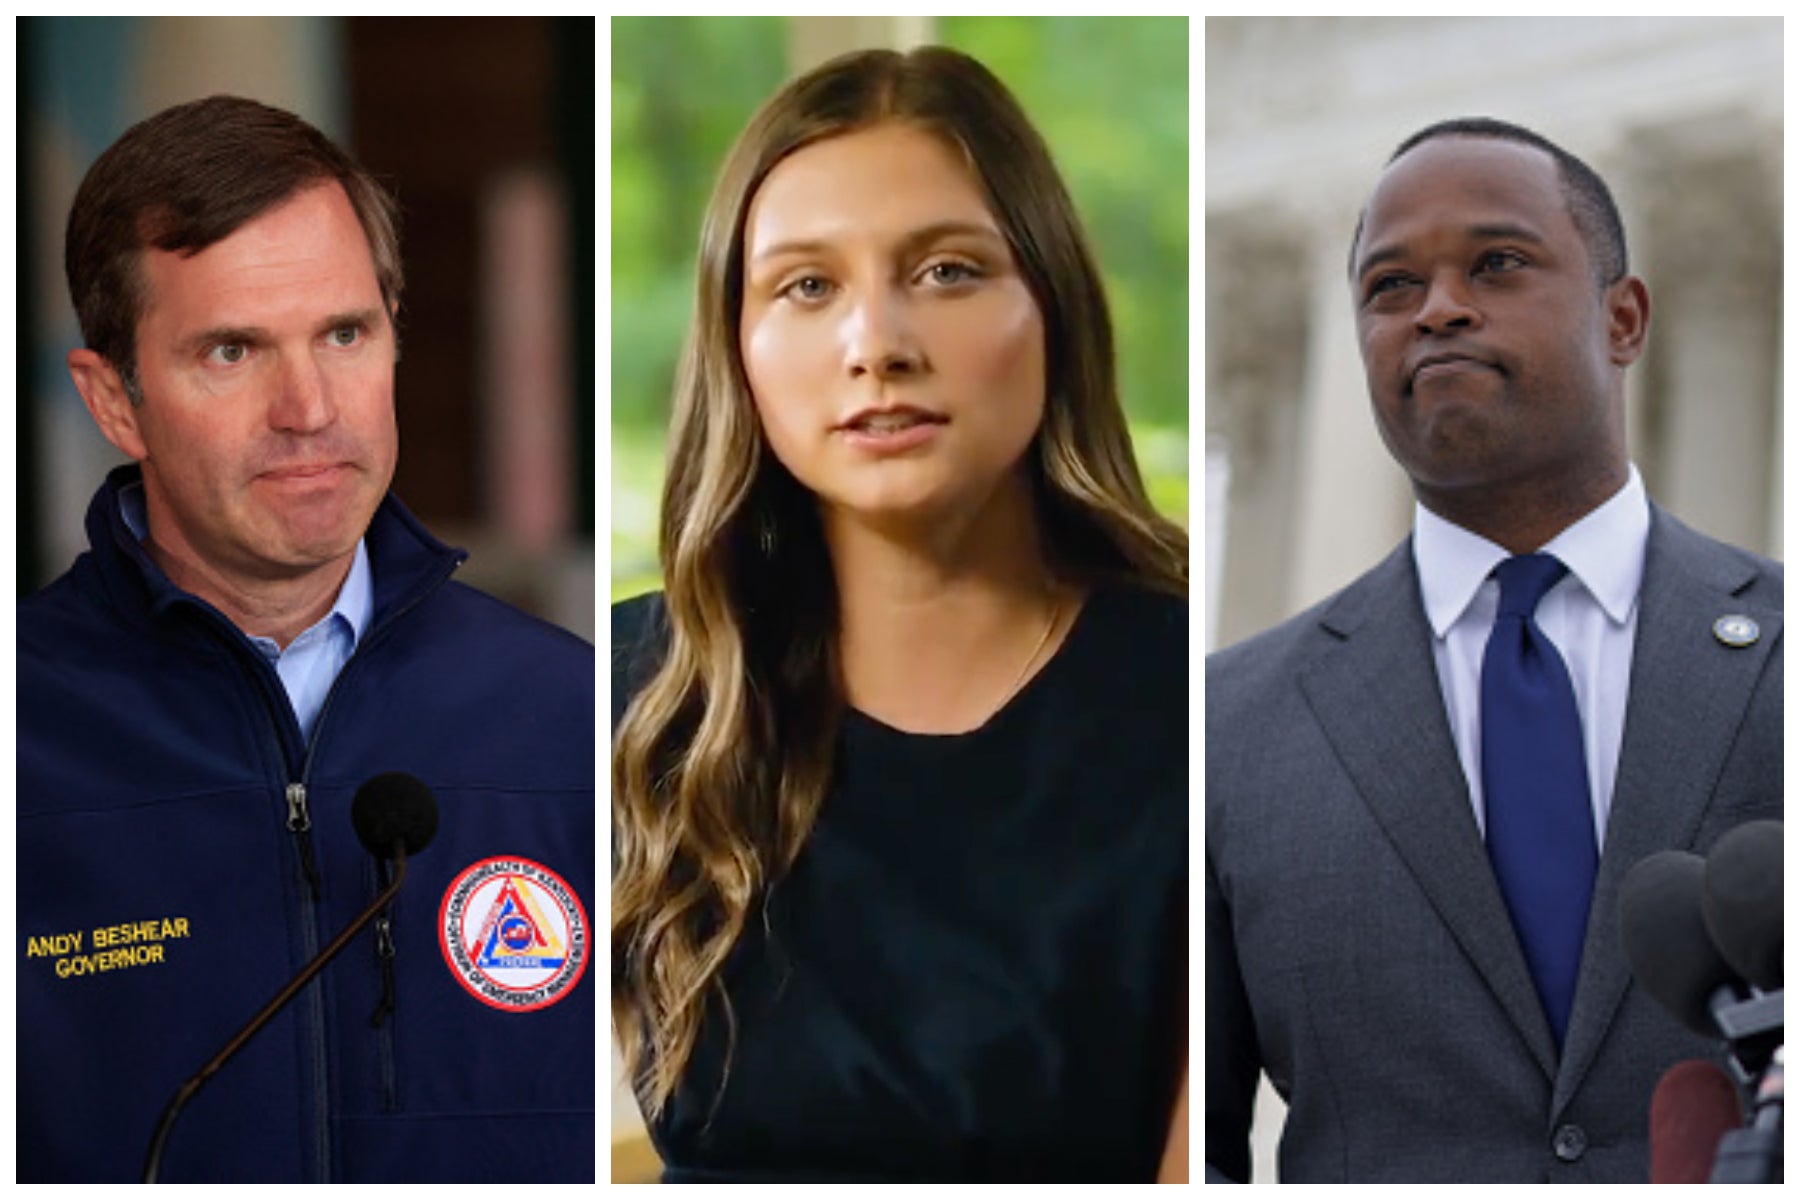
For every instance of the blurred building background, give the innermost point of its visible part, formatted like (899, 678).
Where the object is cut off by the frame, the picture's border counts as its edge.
(1681, 116)
(484, 128)
(1110, 95)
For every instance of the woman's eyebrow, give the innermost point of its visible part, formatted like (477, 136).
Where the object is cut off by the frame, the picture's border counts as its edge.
(923, 235)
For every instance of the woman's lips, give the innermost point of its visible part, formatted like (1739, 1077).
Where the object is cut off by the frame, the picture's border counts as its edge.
(892, 431)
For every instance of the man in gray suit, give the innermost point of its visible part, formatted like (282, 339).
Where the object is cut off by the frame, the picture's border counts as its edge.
(1364, 939)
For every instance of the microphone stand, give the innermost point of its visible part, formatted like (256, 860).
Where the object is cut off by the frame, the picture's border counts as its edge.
(1753, 1154)
(153, 1158)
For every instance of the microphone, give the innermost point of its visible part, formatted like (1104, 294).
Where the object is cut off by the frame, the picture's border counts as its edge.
(1673, 957)
(1740, 899)
(1753, 1154)
(1695, 931)
(394, 815)
(1694, 1107)
(1671, 953)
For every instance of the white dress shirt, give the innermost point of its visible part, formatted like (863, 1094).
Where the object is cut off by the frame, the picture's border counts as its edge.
(1591, 616)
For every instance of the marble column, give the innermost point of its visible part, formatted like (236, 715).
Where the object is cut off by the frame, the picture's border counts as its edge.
(1354, 501)
(1713, 263)
(1257, 334)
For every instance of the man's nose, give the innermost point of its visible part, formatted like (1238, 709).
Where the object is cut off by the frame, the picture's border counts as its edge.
(1447, 305)
(879, 336)
(302, 403)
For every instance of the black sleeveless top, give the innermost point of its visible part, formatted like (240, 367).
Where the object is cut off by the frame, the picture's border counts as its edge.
(976, 969)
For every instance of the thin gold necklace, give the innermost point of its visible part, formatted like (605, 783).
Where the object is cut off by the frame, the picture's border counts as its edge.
(1049, 628)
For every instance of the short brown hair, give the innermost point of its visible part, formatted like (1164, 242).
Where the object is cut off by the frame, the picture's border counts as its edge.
(186, 178)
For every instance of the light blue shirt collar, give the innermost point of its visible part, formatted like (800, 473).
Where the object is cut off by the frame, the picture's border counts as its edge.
(355, 600)
(131, 507)
(1604, 550)
(311, 662)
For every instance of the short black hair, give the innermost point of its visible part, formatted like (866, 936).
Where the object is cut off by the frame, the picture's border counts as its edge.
(1590, 201)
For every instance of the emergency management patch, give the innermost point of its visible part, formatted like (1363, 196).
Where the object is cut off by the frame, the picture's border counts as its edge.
(515, 935)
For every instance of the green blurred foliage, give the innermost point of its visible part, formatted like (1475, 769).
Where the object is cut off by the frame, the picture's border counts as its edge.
(1109, 94)
(682, 90)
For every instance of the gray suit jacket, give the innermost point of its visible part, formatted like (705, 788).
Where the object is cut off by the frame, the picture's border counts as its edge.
(1357, 947)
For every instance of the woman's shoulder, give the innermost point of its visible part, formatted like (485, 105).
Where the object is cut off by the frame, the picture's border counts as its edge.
(1168, 608)
(1139, 620)
(1130, 644)
(640, 637)
(639, 620)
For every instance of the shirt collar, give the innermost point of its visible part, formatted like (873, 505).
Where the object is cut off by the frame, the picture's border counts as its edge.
(1604, 550)
(355, 600)
(131, 508)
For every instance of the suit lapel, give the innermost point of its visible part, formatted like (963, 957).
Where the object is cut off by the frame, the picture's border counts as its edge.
(1374, 691)
(1689, 693)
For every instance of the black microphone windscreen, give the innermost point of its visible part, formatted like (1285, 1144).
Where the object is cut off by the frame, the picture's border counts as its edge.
(1740, 898)
(391, 809)
(1694, 1107)
(1671, 954)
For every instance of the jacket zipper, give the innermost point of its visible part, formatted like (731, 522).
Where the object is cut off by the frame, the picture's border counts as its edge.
(299, 823)
(384, 1008)
(384, 956)
(310, 1004)
(311, 1001)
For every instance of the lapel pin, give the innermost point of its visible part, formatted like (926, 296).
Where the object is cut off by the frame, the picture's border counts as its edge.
(1736, 631)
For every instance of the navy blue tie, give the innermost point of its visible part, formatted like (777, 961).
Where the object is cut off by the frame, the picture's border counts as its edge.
(1540, 820)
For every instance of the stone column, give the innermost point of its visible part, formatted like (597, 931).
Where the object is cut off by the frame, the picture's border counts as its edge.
(1713, 263)
(1257, 319)
(1354, 501)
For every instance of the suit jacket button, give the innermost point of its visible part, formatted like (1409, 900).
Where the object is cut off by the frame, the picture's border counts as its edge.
(1570, 1142)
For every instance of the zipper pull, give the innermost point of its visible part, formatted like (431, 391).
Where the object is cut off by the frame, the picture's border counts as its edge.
(299, 822)
(384, 936)
(384, 950)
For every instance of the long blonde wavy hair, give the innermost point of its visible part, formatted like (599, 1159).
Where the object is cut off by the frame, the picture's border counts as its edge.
(723, 757)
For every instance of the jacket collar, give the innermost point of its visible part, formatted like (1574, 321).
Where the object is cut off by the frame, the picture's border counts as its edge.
(406, 560)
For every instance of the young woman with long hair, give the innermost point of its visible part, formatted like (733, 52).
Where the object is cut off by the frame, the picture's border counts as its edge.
(900, 752)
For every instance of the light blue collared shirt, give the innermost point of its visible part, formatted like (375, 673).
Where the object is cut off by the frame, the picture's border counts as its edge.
(311, 662)
(1590, 615)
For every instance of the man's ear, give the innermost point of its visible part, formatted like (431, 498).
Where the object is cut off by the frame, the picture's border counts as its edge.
(1627, 319)
(103, 391)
